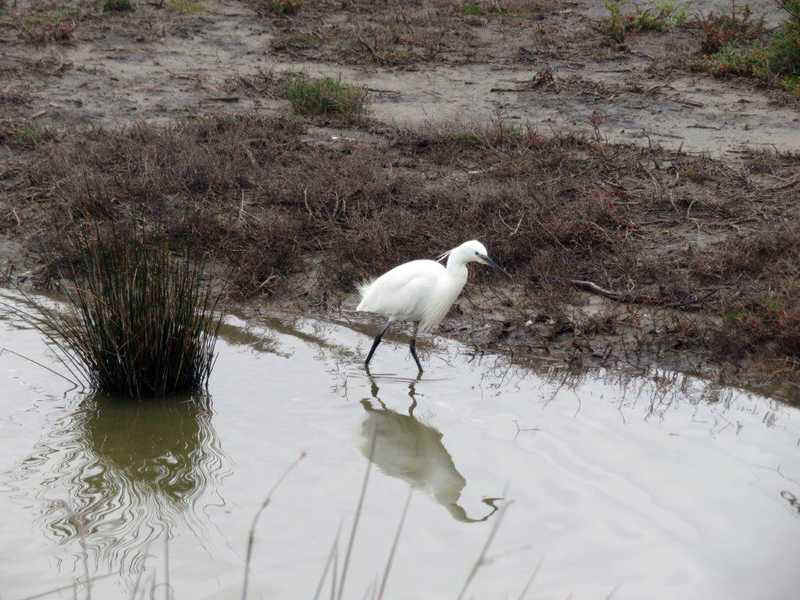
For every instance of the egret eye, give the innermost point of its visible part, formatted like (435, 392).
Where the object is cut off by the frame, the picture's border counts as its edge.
(477, 253)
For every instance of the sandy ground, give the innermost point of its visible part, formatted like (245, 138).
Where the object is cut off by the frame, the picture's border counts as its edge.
(162, 69)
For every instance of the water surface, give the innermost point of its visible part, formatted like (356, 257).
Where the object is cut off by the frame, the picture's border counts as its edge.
(652, 486)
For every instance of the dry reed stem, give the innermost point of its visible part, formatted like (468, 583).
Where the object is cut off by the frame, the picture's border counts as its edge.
(535, 572)
(252, 532)
(70, 586)
(357, 517)
(396, 540)
(330, 559)
(482, 556)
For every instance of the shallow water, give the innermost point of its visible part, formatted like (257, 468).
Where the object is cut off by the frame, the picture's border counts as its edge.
(657, 486)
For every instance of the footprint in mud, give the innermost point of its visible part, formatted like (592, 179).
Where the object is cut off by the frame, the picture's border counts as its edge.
(414, 452)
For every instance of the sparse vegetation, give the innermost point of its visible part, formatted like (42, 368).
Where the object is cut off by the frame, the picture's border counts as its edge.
(732, 59)
(614, 25)
(784, 48)
(500, 8)
(140, 322)
(734, 45)
(285, 7)
(495, 8)
(658, 16)
(296, 42)
(373, 32)
(117, 6)
(24, 136)
(186, 7)
(46, 26)
(762, 315)
(737, 27)
(325, 96)
(472, 9)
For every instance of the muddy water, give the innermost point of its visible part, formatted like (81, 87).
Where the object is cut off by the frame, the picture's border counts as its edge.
(657, 486)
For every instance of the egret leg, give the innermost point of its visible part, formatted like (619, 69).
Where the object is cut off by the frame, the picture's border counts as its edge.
(413, 347)
(375, 343)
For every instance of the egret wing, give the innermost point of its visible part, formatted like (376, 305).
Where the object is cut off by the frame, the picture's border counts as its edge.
(404, 292)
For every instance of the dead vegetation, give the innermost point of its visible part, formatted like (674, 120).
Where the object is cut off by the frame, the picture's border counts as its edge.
(284, 214)
(384, 33)
(48, 25)
(67, 23)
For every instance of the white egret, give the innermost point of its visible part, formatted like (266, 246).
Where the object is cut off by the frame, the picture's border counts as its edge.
(421, 291)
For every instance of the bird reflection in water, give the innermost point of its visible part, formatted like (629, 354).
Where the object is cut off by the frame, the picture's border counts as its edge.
(133, 470)
(409, 450)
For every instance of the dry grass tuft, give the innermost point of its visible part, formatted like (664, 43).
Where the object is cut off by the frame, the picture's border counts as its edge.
(118, 6)
(659, 15)
(285, 7)
(186, 7)
(325, 96)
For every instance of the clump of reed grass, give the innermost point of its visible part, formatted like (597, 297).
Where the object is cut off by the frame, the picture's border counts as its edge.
(118, 6)
(140, 322)
(325, 96)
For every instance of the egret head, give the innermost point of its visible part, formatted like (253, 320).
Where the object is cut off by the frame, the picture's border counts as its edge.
(472, 251)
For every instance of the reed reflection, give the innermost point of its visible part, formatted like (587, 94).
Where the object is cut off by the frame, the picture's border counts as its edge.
(133, 470)
(409, 450)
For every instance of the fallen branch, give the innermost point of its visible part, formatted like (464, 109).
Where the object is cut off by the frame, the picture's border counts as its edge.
(690, 303)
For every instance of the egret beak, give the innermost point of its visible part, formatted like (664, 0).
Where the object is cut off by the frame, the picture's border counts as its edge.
(494, 265)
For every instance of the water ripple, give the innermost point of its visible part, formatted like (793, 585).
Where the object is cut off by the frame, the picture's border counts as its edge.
(117, 475)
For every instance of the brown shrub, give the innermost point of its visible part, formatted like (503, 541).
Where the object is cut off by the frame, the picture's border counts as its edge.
(736, 27)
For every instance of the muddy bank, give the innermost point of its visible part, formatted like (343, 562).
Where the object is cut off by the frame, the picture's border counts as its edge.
(683, 259)
(646, 210)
